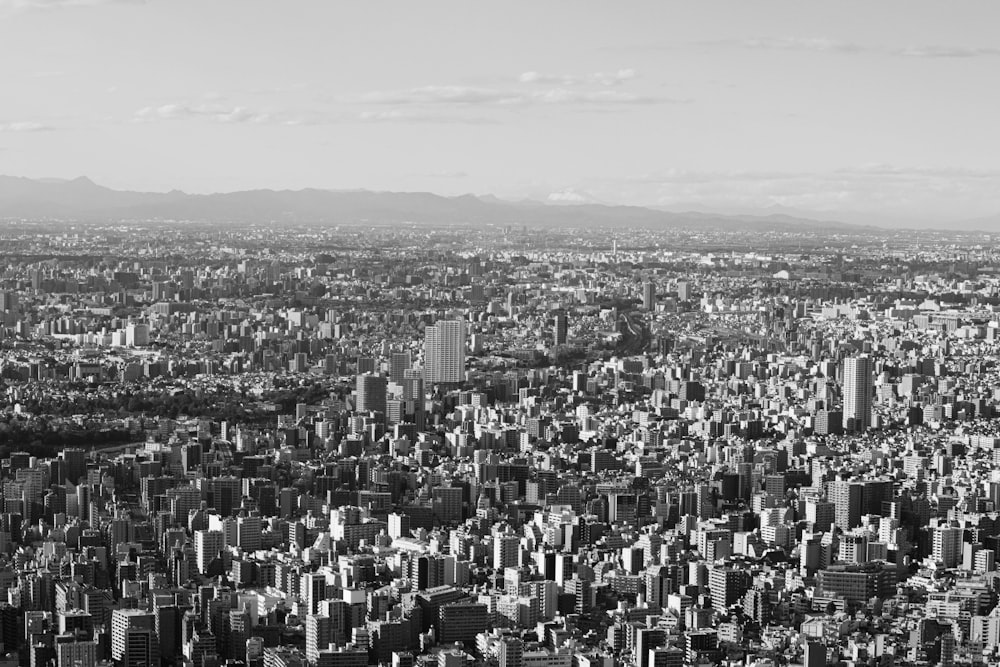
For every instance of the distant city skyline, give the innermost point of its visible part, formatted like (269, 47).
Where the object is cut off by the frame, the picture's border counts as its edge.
(883, 111)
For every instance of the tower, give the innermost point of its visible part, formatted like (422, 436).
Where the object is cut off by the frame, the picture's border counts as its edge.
(560, 330)
(858, 392)
(444, 352)
(648, 296)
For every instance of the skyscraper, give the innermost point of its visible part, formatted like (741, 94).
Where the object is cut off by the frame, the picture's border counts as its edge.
(444, 352)
(560, 330)
(858, 392)
(371, 393)
(207, 545)
(74, 464)
(399, 363)
(648, 296)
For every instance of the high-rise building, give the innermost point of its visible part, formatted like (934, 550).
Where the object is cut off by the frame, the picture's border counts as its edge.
(168, 630)
(858, 392)
(648, 295)
(248, 532)
(74, 464)
(683, 290)
(133, 638)
(8, 301)
(240, 627)
(399, 363)
(511, 652)
(846, 498)
(647, 639)
(580, 590)
(560, 330)
(727, 585)
(947, 545)
(815, 655)
(312, 590)
(821, 513)
(207, 546)
(462, 621)
(447, 504)
(137, 335)
(319, 635)
(371, 393)
(506, 551)
(444, 352)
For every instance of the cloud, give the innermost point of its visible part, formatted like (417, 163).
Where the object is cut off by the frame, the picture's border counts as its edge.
(470, 96)
(826, 45)
(236, 115)
(599, 78)
(415, 116)
(802, 44)
(24, 126)
(215, 112)
(947, 52)
(435, 95)
(571, 196)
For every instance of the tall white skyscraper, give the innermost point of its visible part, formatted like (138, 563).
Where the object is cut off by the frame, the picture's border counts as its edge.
(207, 545)
(858, 392)
(444, 352)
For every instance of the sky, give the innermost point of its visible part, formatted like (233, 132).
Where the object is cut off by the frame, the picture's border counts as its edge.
(885, 111)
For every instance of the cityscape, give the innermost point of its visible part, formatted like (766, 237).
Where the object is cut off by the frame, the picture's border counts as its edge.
(499, 334)
(352, 446)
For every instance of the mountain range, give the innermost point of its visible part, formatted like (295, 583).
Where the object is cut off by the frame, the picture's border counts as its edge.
(83, 200)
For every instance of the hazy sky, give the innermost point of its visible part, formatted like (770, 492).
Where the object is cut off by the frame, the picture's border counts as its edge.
(890, 107)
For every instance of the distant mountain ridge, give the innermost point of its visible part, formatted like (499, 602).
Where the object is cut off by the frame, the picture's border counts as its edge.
(83, 200)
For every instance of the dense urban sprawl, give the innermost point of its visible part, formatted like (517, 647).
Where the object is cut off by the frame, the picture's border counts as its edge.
(500, 446)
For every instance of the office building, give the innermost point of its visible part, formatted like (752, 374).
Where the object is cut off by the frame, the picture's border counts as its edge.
(133, 638)
(858, 393)
(399, 363)
(847, 501)
(371, 393)
(560, 330)
(648, 296)
(444, 352)
(319, 635)
(857, 584)
(208, 544)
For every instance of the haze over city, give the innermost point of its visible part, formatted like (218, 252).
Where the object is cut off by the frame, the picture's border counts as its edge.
(880, 113)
